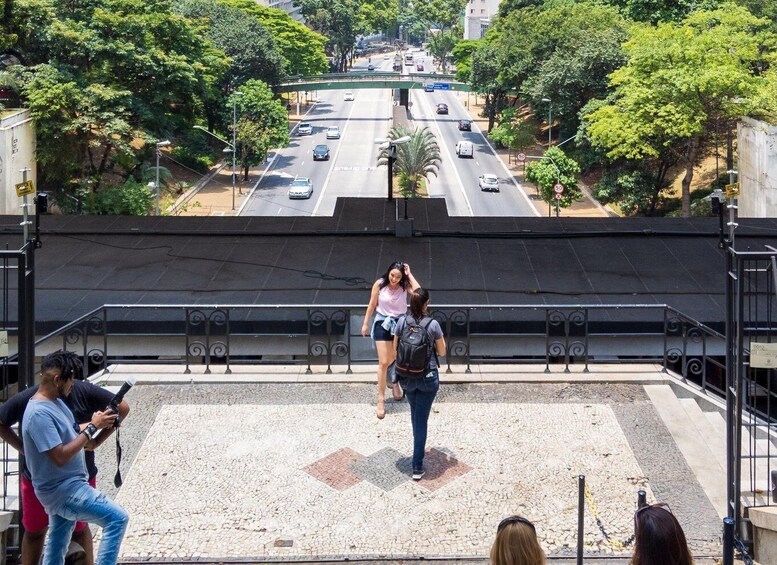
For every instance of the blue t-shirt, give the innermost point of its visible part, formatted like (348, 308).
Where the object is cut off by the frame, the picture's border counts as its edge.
(46, 425)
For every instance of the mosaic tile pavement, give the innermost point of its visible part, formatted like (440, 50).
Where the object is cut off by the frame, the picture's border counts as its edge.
(317, 480)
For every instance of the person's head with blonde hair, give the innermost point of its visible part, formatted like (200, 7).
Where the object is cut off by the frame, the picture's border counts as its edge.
(516, 543)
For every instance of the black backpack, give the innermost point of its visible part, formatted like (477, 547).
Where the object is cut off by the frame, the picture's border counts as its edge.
(414, 348)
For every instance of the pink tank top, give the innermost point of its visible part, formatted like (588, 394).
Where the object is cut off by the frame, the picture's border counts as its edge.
(392, 302)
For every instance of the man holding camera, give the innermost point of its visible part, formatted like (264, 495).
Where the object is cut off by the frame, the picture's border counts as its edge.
(83, 399)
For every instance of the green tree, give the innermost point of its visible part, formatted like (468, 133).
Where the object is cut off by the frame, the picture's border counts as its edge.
(487, 79)
(441, 44)
(263, 123)
(564, 53)
(338, 20)
(247, 42)
(680, 80)
(439, 14)
(512, 132)
(554, 168)
(462, 56)
(416, 159)
(104, 75)
(301, 49)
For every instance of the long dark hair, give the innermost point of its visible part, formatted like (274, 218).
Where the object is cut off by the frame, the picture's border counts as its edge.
(400, 266)
(659, 538)
(418, 301)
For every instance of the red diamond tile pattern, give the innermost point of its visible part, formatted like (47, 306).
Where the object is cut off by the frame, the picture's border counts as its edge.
(333, 469)
(441, 469)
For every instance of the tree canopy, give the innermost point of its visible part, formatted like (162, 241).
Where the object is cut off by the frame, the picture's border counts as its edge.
(677, 81)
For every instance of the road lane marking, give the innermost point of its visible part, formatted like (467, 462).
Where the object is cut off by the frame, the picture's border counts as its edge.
(498, 158)
(427, 104)
(334, 159)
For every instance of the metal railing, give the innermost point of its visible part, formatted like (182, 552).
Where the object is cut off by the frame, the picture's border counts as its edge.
(559, 336)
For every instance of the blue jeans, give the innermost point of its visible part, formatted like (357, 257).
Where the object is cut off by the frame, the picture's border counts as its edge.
(89, 505)
(420, 395)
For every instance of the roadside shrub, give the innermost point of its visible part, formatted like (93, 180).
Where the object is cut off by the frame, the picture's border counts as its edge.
(129, 199)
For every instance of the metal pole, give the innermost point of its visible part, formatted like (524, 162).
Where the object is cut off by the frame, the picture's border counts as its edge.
(234, 147)
(25, 213)
(391, 150)
(156, 184)
(406, 207)
(641, 499)
(580, 516)
(728, 541)
(550, 108)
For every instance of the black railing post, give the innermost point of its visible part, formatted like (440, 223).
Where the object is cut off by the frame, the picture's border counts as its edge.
(641, 498)
(580, 517)
(728, 541)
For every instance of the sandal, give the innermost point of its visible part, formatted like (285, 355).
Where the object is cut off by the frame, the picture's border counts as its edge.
(394, 392)
(381, 409)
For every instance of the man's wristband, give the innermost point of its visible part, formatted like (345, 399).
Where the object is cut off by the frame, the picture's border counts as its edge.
(89, 431)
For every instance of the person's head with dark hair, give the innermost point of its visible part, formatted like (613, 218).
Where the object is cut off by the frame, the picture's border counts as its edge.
(516, 543)
(58, 369)
(395, 275)
(419, 301)
(659, 538)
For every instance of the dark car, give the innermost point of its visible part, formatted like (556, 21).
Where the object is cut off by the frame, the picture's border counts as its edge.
(465, 125)
(321, 152)
(429, 87)
(442, 108)
(370, 67)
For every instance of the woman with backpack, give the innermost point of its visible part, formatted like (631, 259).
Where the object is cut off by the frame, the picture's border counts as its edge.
(388, 301)
(420, 386)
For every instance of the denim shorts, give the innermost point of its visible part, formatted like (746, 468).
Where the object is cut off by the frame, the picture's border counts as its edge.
(379, 333)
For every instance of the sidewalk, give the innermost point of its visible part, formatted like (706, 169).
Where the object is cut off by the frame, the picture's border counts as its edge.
(272, 464)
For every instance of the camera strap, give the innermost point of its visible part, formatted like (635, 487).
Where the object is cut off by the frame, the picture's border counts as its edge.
(117, 478)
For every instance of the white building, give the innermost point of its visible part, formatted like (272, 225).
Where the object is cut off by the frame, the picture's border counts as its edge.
(288, 6)
(477, 17)
(17, 152)
(757, 164)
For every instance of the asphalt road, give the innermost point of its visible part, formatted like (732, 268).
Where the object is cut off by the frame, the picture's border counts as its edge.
(351, 169)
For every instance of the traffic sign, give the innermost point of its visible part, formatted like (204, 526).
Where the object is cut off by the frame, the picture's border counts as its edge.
(732, 190)
(558, 187)
(24, 188)
(521, 156)
(558, 196)
(442, 86)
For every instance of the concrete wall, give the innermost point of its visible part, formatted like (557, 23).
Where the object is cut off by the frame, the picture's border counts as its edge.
(757, 150)
(17, 151)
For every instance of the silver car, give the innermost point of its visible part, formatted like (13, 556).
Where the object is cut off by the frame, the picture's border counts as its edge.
(488, 182)
(304, 128)
(301, 187)
(333, 132)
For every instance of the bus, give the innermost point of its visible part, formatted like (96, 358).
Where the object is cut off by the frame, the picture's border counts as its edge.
(408, 58)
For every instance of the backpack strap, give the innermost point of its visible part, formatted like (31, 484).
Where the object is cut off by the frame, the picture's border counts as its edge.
(425, 327)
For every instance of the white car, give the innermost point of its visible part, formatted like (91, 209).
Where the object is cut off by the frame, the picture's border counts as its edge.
(304, 128)
(301, 187)
(488, 182)
(333, 132)
(348, 96)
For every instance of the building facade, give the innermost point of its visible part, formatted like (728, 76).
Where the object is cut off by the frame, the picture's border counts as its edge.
(477, 17)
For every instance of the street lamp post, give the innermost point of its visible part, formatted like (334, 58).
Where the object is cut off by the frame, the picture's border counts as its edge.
(391, 153)
(159, 145)
(550, 108)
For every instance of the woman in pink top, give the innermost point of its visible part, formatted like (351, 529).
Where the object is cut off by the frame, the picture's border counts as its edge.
(388, 301)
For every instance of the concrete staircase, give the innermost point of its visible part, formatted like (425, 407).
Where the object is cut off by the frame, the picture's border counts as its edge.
(697, 425)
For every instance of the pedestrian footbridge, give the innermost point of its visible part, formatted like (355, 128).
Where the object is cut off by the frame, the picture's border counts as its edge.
(349, 81)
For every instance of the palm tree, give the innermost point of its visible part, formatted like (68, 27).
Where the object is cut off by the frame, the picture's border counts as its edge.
(416, 159)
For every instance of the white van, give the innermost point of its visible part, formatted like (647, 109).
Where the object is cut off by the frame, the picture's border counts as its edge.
(464, 149)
